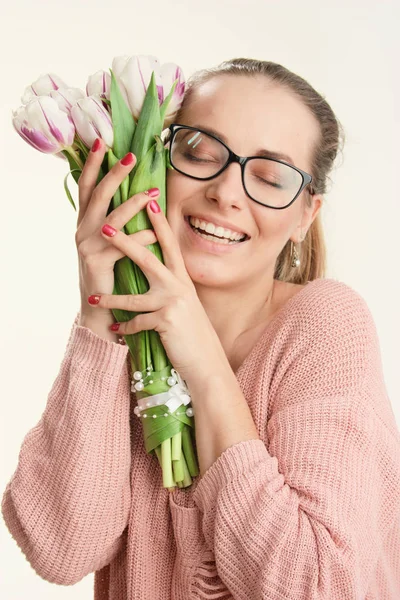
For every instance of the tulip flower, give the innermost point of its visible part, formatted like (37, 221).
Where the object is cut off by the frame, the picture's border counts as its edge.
(92, 120)
(170, 73)
(42, 87)
(133, 75)
(44, 125)
(66, 97)
(99, 84)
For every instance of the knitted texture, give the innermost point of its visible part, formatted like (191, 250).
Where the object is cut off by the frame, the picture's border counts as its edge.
(310, 511)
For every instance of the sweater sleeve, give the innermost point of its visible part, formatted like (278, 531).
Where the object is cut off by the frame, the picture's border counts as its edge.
(68, 501)
(305, 515)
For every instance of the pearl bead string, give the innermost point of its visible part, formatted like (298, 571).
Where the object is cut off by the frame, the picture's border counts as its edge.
(188, 413)
(137, 384)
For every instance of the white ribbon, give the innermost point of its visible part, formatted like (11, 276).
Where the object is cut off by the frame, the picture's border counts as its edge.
(177, 395)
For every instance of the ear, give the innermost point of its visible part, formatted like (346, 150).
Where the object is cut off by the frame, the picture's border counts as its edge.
(308, 216)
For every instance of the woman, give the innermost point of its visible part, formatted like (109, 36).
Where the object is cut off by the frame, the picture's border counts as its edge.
(298, 495)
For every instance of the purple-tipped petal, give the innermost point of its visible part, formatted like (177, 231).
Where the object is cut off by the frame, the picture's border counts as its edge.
(133, 76)
(43, 125)
(42, 87)
(92, 120)
(54, 130)
(160, 92)
(99, 84)
(38, 140)
(66, 97)
(171, 73)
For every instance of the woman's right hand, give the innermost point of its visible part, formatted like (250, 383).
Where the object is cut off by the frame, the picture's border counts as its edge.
(96, 256)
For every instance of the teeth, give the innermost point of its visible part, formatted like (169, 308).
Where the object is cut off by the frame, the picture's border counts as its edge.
(215, 230)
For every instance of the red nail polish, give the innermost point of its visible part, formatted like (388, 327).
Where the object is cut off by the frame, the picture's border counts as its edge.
(152, 192)
(108, 230)
(127, 160)
(154, 206)
(96, 145)
(94, 299)
(114, 326)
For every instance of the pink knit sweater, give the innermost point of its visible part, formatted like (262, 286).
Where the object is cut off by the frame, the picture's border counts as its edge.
(309, 511)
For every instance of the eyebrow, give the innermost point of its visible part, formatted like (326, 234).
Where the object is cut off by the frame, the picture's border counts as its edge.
(260, 152)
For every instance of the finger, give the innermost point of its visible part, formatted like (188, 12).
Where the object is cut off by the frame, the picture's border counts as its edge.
(171, 250)
(88, 178)
(152, 267)
(105, 190)
(120, 216)
(147, 302)
(145, 237)
(145, 322)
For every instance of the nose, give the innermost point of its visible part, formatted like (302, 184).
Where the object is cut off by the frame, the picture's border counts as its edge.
(227, 188)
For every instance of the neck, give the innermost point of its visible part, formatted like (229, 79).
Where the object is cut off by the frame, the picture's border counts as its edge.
(234, 312)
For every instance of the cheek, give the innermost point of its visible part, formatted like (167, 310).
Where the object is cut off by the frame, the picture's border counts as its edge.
(177, 185)
(273, 224)
(182, 190)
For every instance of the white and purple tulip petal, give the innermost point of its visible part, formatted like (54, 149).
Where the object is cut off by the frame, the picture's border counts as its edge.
(118, 64)
(42, 87)
(171, 72)
(99, 83)
(92, 120)
(35, 138)
(46, 115)
(66, 98)
(134, 73)
(44, 126)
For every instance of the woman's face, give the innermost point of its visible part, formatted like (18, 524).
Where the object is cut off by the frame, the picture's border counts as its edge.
(250, 114)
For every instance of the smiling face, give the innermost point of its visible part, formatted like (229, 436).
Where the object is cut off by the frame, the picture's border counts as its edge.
(250, 114)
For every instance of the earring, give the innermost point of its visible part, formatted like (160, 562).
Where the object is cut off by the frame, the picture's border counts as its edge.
(294, 253)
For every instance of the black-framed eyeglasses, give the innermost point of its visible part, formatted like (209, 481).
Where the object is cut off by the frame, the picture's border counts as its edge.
(201, 155)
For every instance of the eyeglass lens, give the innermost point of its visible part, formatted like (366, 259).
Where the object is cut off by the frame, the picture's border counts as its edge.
(267, 181)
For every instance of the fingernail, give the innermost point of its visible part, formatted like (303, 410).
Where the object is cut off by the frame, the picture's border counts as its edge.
(128, 159)
(114, 326)
(108, 230)
(154, 206)
(96, 145)
(152, 192)
(94, 299)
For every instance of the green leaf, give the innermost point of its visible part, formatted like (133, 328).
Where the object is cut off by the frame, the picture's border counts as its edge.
(164, 105)
(81, 146)
(149, 124)
(122, 119)
(69, 196)
(167, 160)
(72, 164)
(150, 173)
(116, 200)
(75, 171)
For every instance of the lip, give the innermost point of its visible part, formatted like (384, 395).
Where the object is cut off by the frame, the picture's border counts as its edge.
(213, 247)
(218, 222)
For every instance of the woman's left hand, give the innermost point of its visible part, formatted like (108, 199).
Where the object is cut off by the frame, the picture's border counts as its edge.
(172, 305)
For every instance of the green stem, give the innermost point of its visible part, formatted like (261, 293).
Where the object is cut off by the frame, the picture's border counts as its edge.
(177, 466)
(187, 480)
(82, 147)
(188, 450)
(168, 478)
(75, 156)
(177, 446)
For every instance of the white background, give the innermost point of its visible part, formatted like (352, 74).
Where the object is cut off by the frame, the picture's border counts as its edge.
(347, 50)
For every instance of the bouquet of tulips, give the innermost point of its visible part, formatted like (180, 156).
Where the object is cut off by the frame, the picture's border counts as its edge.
(129, 109)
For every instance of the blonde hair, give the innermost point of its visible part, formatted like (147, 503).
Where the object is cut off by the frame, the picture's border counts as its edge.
(312, 253)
